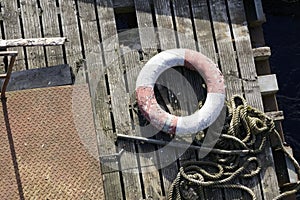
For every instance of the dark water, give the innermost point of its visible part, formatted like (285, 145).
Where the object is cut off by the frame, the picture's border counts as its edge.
(282, 34)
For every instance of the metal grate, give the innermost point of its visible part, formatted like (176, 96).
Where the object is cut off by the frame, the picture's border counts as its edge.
(55, 145)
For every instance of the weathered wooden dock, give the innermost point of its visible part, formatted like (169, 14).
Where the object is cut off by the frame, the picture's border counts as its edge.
(105, 54)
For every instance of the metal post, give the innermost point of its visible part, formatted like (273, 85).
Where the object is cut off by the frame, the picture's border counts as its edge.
(13, 55)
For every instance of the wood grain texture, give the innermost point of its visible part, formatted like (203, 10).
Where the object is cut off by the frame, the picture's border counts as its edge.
(261, 53)
(92, 54)
(32, 42)
(30, 16)
(165, 27)
(130, 163)
(244, 53)
(50, 25)
(184, 24)
(251, 88)
(226, 52)
(12, 30)
(73, 47)
(203, 29)
(205, 39)
(120, 109)
(108, 29)
(189, 83)
(120, 106)
(174, 78)
(145, 23)
(228, 62)
(276, 115)
(148, 158)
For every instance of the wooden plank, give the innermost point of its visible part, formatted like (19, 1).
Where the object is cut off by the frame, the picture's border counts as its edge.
(226, 52)
(206, 45)
(165, 27)
(186, 40)
(50, 23)
(105, 135)
(228, 62)
(184, 24)
(148, 158)
(205, 38)
(120, 109)
(244, 53)
(268, 84)
(248, 73)
(279, 157)
(176, 80)
(290, 167)
(131, 65)
(89, 33)
(261, 53)
(167, 155)
(112, 191)
(100, 98)
(262, 67)
(33, 42)
(185, 95)
(92, 54)
(112, 66)
(12, 29)
(73, 47)
(39, 78)
(203, 29)
(145, 23)
(1, 19)
(167, 40)
(128, 161)
(275, 115)
(247, 68)
(31, 25)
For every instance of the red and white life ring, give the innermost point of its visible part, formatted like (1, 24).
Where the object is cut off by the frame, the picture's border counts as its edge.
(172, 124)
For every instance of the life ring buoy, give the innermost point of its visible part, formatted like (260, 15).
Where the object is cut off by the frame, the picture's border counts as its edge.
(172, 124)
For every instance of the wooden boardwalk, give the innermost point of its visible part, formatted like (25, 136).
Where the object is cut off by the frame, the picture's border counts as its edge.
(102, 53)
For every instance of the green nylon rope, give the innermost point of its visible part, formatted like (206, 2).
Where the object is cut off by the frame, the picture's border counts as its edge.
(247, 129)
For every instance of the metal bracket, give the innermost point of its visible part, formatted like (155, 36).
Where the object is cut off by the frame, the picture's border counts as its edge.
(112, 157)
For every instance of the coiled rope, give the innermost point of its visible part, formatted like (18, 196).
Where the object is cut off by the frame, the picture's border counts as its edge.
(246, 128)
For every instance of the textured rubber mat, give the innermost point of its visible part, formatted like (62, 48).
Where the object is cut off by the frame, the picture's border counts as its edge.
(48, 145)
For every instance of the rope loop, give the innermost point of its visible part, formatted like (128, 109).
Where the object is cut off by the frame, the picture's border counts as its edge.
(246, 128)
